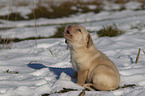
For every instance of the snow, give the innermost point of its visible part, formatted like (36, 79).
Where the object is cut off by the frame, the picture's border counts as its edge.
(25, 32)
(41, 72)
(92, 7)
(45, 68)
(132, 5)
(126, 20)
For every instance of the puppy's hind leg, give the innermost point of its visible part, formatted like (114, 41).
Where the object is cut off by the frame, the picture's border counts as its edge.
(87, 85)
(90, 86)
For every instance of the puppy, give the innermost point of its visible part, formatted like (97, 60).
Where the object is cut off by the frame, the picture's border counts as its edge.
(92, 65)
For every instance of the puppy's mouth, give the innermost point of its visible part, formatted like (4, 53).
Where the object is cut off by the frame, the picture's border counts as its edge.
(68, 33)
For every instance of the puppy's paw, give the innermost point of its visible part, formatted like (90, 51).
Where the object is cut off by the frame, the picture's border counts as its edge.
(88, 86)
(81, 84)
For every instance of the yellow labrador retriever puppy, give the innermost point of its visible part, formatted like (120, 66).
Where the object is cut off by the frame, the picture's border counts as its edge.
(92, 65)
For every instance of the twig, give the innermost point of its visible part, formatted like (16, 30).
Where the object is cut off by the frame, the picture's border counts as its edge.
(137, 58)
(85, 21)
(82, 93)
(144, 52)
(51, 52)
(5, 42)
(35, 24)
(127, 86)
(11, 72)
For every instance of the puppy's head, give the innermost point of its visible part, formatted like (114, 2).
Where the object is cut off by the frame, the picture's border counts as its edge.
(77, 36)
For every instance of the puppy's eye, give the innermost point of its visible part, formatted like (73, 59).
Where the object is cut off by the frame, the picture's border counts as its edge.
(79, 30)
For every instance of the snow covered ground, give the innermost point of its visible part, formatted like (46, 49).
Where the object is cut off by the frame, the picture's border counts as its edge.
(30, 70)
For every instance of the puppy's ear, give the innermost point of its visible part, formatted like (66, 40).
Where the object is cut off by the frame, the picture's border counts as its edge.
(89, 41)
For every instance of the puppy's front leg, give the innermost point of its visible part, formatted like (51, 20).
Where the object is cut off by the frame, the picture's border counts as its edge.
(82, 74)
(75, 75)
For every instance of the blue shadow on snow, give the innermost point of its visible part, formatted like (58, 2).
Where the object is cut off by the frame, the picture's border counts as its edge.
(56, 70)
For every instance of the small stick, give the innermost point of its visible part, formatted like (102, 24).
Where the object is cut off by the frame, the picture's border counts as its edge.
(82, 93)
(144, 52)
(137, 58)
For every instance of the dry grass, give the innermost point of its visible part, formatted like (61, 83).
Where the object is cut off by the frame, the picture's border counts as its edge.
(110, 31)
(141, 1)
(13, 17)
(7, 42)
(52, 10)
(59, 33)
(121, 1)
(10, 41)
(65, 9)
(143, 4)
(57, 11)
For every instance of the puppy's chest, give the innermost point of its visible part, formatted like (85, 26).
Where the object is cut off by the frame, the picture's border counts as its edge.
(80, 59)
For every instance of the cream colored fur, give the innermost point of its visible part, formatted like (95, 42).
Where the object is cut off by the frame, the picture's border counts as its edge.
(92, 65)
